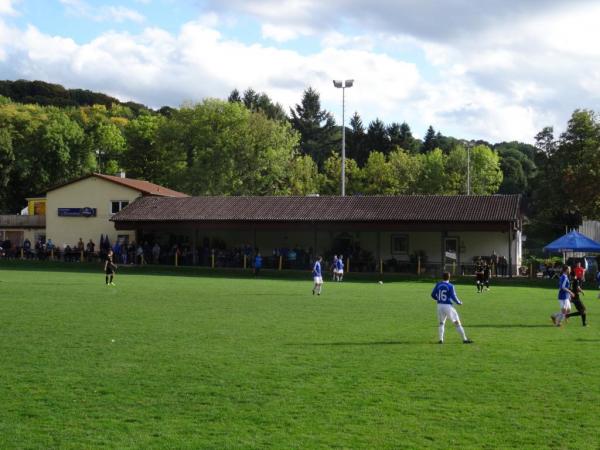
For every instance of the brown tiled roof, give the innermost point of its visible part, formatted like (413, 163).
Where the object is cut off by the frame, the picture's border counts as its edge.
(408, 208)
(145, 187)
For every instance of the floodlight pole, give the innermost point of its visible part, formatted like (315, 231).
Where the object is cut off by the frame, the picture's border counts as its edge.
(468, 169)
(343, 86)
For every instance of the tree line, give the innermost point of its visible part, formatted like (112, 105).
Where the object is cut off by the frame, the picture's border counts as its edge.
(249, 145)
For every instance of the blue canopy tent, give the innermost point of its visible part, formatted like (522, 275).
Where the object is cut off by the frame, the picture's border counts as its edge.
(573, 242)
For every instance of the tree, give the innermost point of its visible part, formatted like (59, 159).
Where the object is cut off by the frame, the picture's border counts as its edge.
(234, 97)
(406, 140)
(377, 138)
(544, 141)
(406, 169)
(258, 103)
(456, 171)
(429, 141)
(144, 157)
(303, 176)
(332, 175)
(486, 175)
(514, 179)
(578, 160)
(7, 159)
(107, 142)
(227, 149)
(378, 176)
(355, 139)
(432, 178)
(316, 127)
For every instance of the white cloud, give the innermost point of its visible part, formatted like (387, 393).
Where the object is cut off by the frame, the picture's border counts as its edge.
(515, 71)
(120, 14)
(105, 13)
(277, 33)
(7, 7)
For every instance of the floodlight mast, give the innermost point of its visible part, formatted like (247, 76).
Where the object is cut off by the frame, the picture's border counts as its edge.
(343, 86)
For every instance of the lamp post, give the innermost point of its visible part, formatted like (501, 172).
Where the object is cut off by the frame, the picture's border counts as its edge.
(343, 85)
(468, 168)
(99, 155)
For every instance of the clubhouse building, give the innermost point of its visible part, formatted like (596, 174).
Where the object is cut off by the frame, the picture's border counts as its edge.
(395, 233)
(80, 208)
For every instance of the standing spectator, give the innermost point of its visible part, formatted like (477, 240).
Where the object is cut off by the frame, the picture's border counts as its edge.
(156, 253)
(117, 251)
(27, 247)
(140, 255)
(579, 272)
(503, 265)
(494, 262)
(131, 253)
(257, 263)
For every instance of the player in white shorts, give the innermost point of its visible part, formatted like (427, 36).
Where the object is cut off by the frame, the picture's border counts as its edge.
(339, 268)
(564, 297)
(444, 294)
(317, 276)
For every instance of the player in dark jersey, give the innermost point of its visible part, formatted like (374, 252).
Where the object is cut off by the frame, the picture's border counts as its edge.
(576, 300)
(487, 273)
(109, 268)
(479, 276)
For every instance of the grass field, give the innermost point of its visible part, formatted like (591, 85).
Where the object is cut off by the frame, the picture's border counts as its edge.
(165, 361)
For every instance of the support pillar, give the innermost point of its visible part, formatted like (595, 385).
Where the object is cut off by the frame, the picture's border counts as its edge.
(195, 247)
(443, 250)
(510, 251)
(379, 252)
(315, 253)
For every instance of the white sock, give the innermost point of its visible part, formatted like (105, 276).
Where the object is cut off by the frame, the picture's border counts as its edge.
(461, 331)
(441, 331)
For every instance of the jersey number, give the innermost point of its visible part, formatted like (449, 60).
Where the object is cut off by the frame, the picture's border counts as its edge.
(443, 295)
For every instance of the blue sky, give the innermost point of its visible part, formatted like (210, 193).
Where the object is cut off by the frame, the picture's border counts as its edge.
(494, 69)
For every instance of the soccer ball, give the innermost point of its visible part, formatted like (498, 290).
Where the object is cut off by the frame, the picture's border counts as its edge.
(380, 282)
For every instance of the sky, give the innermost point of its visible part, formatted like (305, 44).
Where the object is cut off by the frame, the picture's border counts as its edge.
(498, 70)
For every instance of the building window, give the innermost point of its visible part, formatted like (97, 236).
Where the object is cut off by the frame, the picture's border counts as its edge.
(118, 205)
(399, 244)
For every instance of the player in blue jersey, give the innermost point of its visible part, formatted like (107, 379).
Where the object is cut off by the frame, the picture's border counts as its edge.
(598, 278)
(444, 294)
(334, 268)
(564, 297)
(317, 276)
(339, 268)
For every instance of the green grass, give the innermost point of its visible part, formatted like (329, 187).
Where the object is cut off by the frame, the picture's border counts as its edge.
(208, 362)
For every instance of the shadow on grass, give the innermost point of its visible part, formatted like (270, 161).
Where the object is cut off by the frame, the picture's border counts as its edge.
(353, 344)
(512, 325)
(587, 340)
(239, 273)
